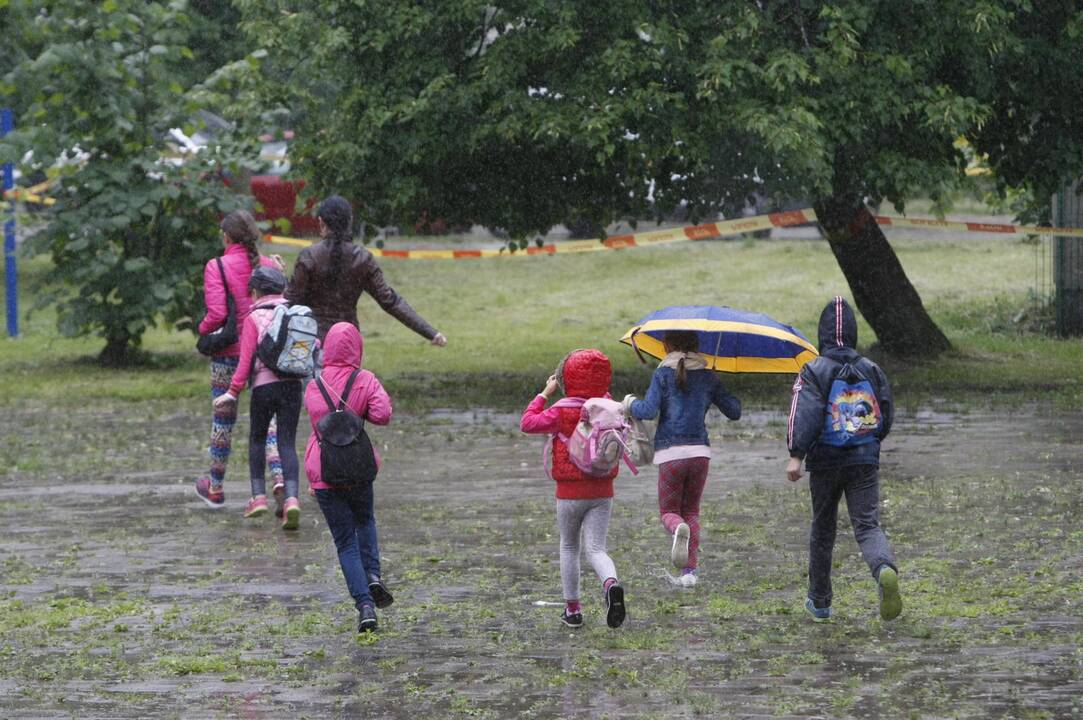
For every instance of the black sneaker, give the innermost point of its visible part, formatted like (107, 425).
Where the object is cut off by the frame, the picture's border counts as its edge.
(572, 620)
(614, 606)
(379, 592)
(366, 623)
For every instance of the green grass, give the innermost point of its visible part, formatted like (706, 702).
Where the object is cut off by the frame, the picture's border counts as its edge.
(510, 320)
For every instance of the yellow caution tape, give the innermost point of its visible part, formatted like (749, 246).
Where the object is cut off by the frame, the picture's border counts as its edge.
(1006, 228)
(705, 231)
(666, 236)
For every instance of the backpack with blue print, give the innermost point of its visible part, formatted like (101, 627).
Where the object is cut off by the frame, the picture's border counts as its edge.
(852, 414)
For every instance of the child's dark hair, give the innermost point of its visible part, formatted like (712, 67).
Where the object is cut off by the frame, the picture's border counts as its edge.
(267, 281)
(241, 228)
(685, 341)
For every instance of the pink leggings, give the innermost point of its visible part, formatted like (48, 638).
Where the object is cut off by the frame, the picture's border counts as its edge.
(680, 487)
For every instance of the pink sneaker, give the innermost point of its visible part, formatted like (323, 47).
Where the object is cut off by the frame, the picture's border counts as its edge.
(279, 493)
(214, 497)
(292, 510)
(256, 507)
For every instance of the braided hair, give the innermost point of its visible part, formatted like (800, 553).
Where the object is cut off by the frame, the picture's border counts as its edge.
(337, 215)
(684, 341)
(241, 229)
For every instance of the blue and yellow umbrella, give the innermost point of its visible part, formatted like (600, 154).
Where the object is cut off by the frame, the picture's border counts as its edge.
(731, 340)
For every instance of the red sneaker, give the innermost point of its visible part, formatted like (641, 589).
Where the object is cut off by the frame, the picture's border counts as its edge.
(214, 497)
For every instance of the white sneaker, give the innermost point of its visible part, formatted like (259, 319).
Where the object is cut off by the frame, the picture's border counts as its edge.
(688, 580)
(678, 554)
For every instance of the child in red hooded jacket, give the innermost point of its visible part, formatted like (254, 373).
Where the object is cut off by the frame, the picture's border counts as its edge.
(584, 502)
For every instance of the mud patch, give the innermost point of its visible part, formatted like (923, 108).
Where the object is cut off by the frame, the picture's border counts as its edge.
(122, 595)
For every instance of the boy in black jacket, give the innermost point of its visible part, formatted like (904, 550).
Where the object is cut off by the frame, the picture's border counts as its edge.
(835, 426)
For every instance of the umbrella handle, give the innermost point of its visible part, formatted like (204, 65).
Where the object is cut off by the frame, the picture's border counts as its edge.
(636, 347)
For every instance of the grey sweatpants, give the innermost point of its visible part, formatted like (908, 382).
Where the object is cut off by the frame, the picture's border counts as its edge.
(589, 518)
(861, 485)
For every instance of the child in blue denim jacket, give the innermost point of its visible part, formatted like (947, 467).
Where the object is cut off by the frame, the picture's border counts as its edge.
(682, 390)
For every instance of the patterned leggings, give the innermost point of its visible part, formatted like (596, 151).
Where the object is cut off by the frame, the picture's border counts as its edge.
(224, 418)
(680, 487)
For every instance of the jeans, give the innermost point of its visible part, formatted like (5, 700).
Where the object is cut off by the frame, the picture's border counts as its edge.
(279, 401)
(861, 485)
(351, 519)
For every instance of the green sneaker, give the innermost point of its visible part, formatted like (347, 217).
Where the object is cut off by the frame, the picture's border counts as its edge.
(887, 580)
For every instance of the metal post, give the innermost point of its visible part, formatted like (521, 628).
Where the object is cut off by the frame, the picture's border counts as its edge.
(7, 124)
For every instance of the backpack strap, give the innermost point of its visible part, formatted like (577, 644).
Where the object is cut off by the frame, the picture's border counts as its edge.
(323, 391)
(230, 304)
(345, 392)
(567, 402)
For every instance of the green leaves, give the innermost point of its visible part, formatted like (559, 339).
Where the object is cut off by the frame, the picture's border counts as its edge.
(134, 219)
(534, 113)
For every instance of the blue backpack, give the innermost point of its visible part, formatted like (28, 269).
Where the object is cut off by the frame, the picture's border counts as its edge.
(852, 414)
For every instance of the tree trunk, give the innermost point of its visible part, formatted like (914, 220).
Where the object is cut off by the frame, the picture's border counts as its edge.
(881, 290)
(118, 352)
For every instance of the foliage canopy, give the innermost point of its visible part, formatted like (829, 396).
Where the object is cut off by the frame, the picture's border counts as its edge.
(101, 92)
(521, 114)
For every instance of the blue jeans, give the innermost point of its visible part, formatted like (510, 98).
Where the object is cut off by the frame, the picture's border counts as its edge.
(351, 519)
(861, 486)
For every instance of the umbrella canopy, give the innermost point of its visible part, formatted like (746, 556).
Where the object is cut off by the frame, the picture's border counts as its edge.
(731, 340)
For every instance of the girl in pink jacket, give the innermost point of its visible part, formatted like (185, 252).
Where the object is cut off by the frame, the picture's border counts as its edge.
(274, 399)
(239, 237)
(349, 510)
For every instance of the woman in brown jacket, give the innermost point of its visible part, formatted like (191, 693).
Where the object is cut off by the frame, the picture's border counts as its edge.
(331, 275)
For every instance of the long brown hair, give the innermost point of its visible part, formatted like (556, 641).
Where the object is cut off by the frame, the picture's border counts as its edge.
(685, 341)
(241, 228)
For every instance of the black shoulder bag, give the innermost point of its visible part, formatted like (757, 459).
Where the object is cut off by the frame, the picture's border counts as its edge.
(215, 342)
(346, 455)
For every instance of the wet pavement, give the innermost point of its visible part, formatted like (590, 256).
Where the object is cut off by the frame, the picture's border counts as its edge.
(124, 596)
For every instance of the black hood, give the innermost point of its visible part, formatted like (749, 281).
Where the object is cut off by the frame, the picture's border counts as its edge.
(838, 325)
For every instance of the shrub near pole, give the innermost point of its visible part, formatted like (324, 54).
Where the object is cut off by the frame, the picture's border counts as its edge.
(7, 125)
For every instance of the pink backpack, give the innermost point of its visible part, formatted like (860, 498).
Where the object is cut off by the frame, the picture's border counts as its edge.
(599, 441)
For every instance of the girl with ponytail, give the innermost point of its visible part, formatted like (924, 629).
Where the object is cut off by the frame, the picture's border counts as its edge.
(331, 276)
(682, 390)
(232, 269)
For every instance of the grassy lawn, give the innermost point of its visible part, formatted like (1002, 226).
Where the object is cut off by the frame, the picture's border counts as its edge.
(509, 322)
(122, 596)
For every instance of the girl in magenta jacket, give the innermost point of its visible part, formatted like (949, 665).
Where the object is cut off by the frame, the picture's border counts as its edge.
(239, 236)
(349, 510)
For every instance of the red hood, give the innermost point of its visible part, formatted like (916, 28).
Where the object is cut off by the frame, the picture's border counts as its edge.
(586, 374)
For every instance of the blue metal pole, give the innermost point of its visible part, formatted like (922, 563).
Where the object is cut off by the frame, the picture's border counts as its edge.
(7, 124)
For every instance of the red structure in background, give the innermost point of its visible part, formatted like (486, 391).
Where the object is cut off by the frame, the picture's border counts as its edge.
(277, 198)
(277, 194)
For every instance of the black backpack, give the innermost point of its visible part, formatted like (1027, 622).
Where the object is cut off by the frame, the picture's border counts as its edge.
(346, 455)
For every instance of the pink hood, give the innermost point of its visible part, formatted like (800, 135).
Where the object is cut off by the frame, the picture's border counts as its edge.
(341, 356)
